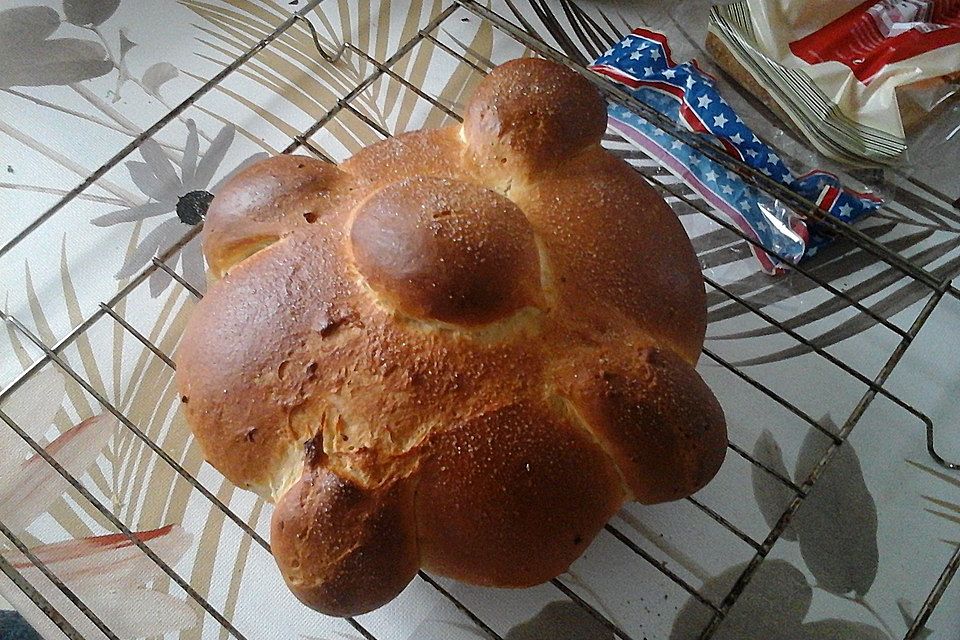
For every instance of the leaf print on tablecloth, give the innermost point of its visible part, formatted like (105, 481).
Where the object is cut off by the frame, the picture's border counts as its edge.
(772, 606)
(109, 574)
(772, 496)
(907, 613)
(125, 43)
(184, 194)
(833, 629)
(947, 510)
(34, 408)
(27, 23)
(89, 12)
(34, 484)
(561, 620)
(97, 568)
(837, 523)
(28, 58)
(156, 75)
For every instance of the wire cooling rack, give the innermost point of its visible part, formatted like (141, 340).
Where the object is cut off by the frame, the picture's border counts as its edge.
(935, 285)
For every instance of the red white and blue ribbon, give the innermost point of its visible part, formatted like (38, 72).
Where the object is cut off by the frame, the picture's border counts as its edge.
(643, 65)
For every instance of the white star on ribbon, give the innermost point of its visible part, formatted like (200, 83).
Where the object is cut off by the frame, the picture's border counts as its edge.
(845, 210)
(655, 54)
(719, 121)
(627, 42)
(669, 73)
(726, 189)
(704, 101)
(756, 140)
(711, 175)
(635, 55)
(731, 175)
(744, 206)
(690, 82)
(736, 138)
(751, 153)
(648, 71)
(773, 158)
(676, 145)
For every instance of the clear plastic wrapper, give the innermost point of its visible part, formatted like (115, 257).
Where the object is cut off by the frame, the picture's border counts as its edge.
(642, 64)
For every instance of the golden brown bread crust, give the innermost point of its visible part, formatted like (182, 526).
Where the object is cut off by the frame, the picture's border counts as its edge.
(446, 250)
(343, 548)
(623, 258)
(459, 350)
(530, 115)
(652, 413)
(268, 200)
(498, 489)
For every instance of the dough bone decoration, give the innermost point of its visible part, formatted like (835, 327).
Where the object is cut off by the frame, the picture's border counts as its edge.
(461, 350)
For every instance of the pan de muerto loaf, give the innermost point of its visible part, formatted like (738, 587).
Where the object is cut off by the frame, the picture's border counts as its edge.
(462, 349)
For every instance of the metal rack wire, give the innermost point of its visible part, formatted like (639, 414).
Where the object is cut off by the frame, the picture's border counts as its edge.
(53, 354)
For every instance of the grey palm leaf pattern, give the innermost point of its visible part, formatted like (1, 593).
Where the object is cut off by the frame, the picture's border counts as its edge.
(836, 528)
(947, 510)
(561, 620)
(580, 35)
(773, 607)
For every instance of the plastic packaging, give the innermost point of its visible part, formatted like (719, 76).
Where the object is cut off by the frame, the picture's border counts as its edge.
(643, 65)
(853, 77)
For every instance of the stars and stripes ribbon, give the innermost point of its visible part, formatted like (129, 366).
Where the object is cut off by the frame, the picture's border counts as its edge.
(643, 64)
